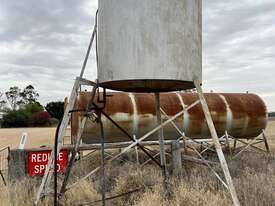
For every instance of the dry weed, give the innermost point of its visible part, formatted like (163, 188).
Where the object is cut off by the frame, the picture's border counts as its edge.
(253, 175)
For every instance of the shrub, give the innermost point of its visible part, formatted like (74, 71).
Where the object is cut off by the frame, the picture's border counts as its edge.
(33, 107)
(19, 118)
(41, 119)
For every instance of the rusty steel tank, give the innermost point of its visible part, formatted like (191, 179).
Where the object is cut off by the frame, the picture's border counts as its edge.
(242, 115)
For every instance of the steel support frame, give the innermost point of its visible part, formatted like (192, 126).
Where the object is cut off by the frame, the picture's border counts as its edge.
(135, 143)
(161, 144)
(66, 117)
(217, 144)
(250, 144)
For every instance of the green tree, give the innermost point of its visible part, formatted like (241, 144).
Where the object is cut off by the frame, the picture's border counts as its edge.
(13, 97)
(33, 107)
(28, 95)
(14, 118)
(56, 109)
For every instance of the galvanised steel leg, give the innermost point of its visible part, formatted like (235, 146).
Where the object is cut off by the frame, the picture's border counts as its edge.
(102, 161)
(161, 140)
(217, 144)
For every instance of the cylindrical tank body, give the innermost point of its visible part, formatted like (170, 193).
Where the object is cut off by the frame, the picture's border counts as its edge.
(241, 115)
(149, 45)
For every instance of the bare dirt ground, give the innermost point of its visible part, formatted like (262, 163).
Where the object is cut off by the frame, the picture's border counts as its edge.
(45, 136)
(36, 137)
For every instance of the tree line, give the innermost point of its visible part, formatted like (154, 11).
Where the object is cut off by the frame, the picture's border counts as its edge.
(21, 108)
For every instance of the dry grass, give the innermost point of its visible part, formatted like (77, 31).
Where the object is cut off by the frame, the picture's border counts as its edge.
(253, 175)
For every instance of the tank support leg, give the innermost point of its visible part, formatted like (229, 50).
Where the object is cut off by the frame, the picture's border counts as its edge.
(161, 140)
(235, 145)
(136, 151)
(102, 161)
(228, 144)
(251, 144)
(217, 144)
(176, 157)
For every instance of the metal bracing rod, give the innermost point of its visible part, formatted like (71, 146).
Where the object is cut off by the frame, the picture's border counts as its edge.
(136, 151)
(194, 149)
(228, 143)
(2, 176)
(180, 132)
(250, 144)
(136, 142)
(258, 142)
(65, 119)
(61, 133)
(214, 135)
(119, 158)
(161, 137)
(4, 148)
(97, 146)
(72, 158)
(265, 141)
(89, 47)
(148, 160)
(209, 147)
(210, 167)
(247, 145)
(144, 163)
(102, 161)
(76, 144)
(129, 136)
(161, 144)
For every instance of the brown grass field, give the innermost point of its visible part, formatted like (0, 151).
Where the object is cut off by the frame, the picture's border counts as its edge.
(253, 175)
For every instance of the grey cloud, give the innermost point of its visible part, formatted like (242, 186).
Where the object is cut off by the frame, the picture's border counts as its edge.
(239, 47)
(44, 42)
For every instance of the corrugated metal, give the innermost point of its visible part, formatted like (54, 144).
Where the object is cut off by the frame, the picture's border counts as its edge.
(242, 115)
(149, 45)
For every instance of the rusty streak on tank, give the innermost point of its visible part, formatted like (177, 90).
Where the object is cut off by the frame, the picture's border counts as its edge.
(242, 115)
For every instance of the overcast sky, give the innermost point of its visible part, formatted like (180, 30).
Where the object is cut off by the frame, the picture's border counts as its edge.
(43, 43)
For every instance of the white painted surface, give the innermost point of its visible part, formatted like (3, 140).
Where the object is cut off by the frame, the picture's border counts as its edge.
(23, 140)
(149, 39)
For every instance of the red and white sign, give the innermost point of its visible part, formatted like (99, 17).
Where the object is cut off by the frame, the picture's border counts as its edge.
(38, 160)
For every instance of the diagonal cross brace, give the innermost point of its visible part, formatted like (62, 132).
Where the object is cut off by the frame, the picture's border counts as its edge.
(138, 141)
(217, 144)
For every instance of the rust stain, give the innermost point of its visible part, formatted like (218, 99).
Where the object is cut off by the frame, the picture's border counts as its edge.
(248, 114)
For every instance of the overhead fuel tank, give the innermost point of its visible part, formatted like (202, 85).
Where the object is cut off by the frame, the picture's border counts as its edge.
(241, 115)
